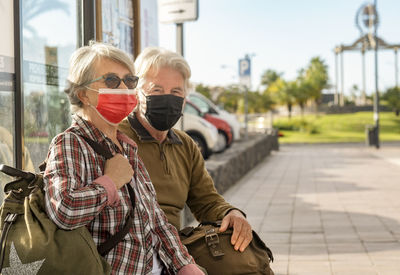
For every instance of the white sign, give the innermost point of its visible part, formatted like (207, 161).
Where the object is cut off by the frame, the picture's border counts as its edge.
(177, 11)
(245, 71)
(244, 67)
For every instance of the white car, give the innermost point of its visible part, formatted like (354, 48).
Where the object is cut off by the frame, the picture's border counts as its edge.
(204, 134)
(207, 106)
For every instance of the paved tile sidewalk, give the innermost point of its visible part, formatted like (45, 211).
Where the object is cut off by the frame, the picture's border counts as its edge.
(326, 209)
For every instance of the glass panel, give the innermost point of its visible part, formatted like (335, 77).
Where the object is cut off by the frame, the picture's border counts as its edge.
(49, 38)
(117, 24)
(7, 89)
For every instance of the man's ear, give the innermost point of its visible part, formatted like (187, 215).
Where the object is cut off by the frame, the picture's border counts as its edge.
(83, 97)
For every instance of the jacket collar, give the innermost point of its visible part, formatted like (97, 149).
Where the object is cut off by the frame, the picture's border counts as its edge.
(144, 135)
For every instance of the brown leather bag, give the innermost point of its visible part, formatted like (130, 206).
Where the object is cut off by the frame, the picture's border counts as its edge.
(213, 250)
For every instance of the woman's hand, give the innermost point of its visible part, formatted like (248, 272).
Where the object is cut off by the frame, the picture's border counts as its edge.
(119, 170)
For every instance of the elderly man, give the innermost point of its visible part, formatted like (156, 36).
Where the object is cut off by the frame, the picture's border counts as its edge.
(172, 159)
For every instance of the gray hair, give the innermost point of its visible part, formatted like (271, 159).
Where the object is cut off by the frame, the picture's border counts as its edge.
(82, 68)
(154, 58)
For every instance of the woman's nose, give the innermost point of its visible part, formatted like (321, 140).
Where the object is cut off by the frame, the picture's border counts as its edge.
(122, 85)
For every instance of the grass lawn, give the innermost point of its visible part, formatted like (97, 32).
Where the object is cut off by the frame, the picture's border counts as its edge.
(336, 128)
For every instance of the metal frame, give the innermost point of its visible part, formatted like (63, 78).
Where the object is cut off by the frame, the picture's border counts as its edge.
(362, 44)
(136, 28)
(19, 92)
(89, 21)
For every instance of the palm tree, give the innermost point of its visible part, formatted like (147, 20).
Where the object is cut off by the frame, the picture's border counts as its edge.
(283, 92)
(269, 77)
(316, 77)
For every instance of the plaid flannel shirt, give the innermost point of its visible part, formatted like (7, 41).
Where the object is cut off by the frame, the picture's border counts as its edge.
(75, 197)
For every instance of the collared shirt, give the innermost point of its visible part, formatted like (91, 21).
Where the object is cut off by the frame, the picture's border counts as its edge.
(78, 194)
(178, 173)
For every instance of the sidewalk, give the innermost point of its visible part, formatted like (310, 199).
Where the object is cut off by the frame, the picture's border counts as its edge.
(326, 209)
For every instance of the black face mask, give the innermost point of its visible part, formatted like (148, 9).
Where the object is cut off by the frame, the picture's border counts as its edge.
(163, 111)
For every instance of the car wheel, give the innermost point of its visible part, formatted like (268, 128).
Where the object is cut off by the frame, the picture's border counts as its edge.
(201, 144)
(221, 142)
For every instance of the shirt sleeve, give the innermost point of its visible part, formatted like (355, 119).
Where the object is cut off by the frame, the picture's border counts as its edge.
(72, 199)
(171, 249)
(203, 199)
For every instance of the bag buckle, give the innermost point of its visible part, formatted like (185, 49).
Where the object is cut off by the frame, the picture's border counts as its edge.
(212, 241)
(10, 218)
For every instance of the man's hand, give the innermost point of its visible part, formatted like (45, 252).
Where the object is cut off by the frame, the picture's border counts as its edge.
(242, 233)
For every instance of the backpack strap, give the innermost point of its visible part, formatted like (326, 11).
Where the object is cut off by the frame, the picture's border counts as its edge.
(110, 243)
(8, 221)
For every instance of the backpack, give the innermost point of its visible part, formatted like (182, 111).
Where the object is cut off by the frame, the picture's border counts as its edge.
(213, 250)
(31, 241)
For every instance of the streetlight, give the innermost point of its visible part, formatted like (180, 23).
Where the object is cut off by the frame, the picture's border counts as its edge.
(367, 15)
(373, 20)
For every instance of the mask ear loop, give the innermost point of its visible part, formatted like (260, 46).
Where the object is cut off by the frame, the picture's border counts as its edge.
(142, 103)
(94, 90)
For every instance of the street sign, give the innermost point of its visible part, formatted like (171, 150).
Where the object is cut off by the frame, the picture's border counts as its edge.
(245, 71)
(177, 11)
(244, 67)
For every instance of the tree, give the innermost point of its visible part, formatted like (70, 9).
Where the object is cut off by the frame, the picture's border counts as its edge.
(204, 90)
(392, 96)
(230, 98)
(283, 92)
(269, 77)
(316, 75)
(303, 92)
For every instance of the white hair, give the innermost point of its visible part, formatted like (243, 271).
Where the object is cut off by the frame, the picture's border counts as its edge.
(82, 66)
(154, 58)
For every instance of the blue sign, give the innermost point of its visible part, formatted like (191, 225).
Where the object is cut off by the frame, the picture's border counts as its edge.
(244, 67)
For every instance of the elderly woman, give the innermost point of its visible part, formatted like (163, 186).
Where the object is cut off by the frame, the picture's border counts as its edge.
(85, 189)
(173, 160)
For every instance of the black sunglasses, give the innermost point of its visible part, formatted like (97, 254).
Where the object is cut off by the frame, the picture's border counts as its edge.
(113, 81)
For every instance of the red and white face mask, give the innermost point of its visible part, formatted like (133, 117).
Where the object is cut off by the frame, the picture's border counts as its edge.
(114, 105)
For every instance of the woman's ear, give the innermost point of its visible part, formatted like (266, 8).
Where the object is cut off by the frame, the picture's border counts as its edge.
(83, 97)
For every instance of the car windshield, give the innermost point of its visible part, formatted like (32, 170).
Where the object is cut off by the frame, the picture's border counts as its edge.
(200, 103)
(191, 110)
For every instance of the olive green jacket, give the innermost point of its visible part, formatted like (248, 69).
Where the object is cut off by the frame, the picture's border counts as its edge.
(178, 173)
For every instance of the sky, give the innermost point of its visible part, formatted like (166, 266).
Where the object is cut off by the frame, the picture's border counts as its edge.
(282, 35)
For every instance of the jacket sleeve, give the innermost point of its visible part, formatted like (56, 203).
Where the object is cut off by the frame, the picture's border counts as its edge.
(70, 200)
(203, 199)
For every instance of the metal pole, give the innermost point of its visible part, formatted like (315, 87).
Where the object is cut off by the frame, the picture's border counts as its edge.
(363, 92)
(19, 145)
(342, 79)
(179, 49)
(376, 101)
(246, 119)
(179, 38)
(336, 98)
(396, 68)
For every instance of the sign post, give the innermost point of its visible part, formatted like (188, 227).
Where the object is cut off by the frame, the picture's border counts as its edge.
(245, 81)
